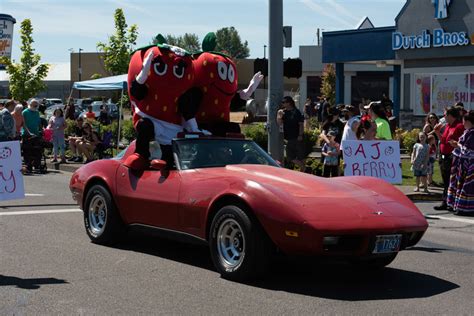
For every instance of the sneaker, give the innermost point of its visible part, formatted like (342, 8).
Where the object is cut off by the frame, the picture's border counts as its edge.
(73, 158)
(426, 190)
(78, 159)
(63, 161)
(416, 190)
(441, 207)
(54, 160)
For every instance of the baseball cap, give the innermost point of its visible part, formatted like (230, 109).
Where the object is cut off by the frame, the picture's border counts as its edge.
(332, 133)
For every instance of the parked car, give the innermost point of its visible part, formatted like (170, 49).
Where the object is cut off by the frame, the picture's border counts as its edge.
(50, 111)
(53, 101)
(113, 109)
(82, 103)
(231, 195)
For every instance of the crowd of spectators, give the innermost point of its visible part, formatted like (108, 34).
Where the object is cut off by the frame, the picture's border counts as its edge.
(27, 123)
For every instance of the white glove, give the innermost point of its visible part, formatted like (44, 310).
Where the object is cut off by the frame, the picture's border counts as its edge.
(246, 93)
(143, 75)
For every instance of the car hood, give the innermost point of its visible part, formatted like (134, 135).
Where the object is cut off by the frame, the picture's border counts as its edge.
(298, 184)
(321, 198)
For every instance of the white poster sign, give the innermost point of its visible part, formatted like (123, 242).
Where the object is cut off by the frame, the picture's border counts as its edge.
(11, 178)
(380, 159)
(449, 89)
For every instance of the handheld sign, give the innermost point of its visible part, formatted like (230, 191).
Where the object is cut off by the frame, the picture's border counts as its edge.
(380, 159)
(11, 178)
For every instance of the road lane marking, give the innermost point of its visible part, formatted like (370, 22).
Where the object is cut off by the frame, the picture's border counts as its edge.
(34, 194)
(454, 219)
(67, 210)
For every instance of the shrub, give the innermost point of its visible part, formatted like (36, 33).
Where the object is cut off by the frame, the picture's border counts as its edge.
(256, 132)
(128, 131)
(407, 138)
(69, 127)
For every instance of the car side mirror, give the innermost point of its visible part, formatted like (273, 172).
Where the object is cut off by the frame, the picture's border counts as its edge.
(158, 164)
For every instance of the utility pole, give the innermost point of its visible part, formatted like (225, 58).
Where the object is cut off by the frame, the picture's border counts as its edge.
(275, 75)
(80, 69)
(264, 57)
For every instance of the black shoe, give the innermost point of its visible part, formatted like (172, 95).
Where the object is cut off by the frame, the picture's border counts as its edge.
(73, 158)
(441, 207)
(78, 159)
(450, 209)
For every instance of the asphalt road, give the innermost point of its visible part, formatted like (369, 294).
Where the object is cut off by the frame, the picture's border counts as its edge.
(49, 266)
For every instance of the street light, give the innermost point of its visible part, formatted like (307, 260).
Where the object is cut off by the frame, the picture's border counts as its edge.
(80, 69)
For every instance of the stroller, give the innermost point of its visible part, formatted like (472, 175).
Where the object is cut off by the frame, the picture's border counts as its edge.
(33, 153)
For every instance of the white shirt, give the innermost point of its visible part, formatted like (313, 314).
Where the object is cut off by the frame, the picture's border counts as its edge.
(348, 133)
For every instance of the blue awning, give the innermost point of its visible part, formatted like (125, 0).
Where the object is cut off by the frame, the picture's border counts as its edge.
(108, 83)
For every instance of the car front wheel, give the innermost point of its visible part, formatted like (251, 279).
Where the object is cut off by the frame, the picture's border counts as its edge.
(101, 218)
(239, 247)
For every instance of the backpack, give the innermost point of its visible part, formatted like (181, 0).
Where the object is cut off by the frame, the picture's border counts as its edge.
(7, 125)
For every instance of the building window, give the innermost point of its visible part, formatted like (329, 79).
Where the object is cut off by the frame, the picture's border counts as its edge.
(435, 92)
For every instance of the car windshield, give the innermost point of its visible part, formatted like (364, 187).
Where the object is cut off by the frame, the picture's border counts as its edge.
(207, 153)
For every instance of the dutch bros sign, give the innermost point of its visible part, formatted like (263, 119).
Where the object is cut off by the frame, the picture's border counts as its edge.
(440, 38)
(379, 159)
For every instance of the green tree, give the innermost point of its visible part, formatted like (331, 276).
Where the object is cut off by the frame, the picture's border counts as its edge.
(328, 85)
(188, 41)
(229, 42)
(120, 45)
(26, 77)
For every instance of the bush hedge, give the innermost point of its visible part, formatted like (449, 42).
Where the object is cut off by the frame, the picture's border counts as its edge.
(258, 133)
(407, 138)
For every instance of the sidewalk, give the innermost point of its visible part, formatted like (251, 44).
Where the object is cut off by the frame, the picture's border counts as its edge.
(434, 195)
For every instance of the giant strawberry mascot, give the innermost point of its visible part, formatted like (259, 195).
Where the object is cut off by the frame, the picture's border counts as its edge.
(217, 80)
(158, 78)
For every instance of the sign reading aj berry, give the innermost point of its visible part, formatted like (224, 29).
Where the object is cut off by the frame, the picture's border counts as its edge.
(380, 159)
(11, 178)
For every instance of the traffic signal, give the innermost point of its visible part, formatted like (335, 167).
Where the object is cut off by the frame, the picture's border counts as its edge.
(261, 64)
(293, 68)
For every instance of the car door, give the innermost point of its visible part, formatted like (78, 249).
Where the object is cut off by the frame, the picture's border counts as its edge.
(149, 198)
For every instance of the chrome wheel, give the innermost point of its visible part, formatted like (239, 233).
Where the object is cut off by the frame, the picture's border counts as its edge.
(231, 244)
(97, 214)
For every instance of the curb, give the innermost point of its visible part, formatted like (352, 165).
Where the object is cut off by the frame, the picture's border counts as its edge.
(424, 196)
(62, 167)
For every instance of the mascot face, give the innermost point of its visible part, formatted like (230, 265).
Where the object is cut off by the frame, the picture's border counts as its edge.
(216, 76)
(170, 75)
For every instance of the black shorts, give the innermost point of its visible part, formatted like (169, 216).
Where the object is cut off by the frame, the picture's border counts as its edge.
(294, 150)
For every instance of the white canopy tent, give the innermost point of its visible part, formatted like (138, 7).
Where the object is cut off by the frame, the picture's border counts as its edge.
(108, 83)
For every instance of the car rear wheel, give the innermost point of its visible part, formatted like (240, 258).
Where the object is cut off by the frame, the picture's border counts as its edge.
(101, 218)
(240, 249)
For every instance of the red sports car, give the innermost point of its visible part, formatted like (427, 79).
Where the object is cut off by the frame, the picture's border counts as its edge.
(231, 195)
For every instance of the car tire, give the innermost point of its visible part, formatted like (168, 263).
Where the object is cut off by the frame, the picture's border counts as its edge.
(240, 249)
(376, 263)
(101, 218)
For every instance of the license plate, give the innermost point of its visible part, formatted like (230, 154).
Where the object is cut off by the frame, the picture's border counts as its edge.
(387, 243)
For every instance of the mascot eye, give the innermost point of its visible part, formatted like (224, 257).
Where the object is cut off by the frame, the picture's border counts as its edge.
(231, 74)
(160, 67)
(222, 70)
(178, 70)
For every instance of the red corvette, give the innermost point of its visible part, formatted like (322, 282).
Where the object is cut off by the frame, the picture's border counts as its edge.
(231, 195)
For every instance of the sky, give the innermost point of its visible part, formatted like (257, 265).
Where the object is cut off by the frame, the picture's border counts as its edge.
(59, 26)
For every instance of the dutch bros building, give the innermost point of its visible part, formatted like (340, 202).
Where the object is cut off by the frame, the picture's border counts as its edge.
(431, 48)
